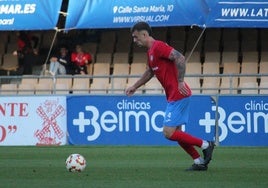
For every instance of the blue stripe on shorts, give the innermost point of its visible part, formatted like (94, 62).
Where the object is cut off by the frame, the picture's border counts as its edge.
(177, 112)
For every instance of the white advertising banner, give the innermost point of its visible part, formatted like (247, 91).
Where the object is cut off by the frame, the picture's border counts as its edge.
(33, 120)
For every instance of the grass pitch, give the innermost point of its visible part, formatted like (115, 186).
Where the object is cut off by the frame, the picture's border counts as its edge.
(131, 166)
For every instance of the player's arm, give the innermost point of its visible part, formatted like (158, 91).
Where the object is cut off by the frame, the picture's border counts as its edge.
(179, 59)
(146, 76)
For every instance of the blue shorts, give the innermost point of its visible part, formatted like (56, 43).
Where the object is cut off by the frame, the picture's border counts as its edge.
(177, 113)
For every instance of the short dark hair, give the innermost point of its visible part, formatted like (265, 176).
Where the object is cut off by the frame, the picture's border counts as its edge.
(142, 26)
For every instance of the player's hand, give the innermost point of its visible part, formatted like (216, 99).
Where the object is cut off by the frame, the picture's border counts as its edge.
(183, 89)
(130, 91)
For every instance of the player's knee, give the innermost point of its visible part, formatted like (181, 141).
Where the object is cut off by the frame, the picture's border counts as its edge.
(168, 131)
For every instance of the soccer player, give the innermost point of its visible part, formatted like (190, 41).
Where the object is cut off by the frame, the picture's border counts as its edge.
(168, 65)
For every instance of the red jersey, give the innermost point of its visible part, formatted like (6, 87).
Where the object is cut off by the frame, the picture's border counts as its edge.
(165, 70)
(80, 59)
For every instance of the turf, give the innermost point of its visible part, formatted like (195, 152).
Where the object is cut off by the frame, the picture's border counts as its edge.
(131, 166)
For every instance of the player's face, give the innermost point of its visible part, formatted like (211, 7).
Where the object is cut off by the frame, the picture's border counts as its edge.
(139, 38)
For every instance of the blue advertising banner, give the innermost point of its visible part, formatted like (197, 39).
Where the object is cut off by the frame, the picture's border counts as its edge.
(237, 13)
(203, 13)
(115, 120)
(121, 120)
(243, 120)
(29, 14)
(137, 120)
(124, 13)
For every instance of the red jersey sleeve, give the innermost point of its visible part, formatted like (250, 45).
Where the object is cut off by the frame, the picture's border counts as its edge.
(163, 50)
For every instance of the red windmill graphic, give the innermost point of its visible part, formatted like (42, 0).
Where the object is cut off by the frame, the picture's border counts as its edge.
(51, 131)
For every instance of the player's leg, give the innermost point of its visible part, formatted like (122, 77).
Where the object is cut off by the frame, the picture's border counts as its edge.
(177, 113)
(187, 142)
(176, 134)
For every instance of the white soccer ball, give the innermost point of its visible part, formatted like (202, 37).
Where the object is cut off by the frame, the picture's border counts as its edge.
(76, 163)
